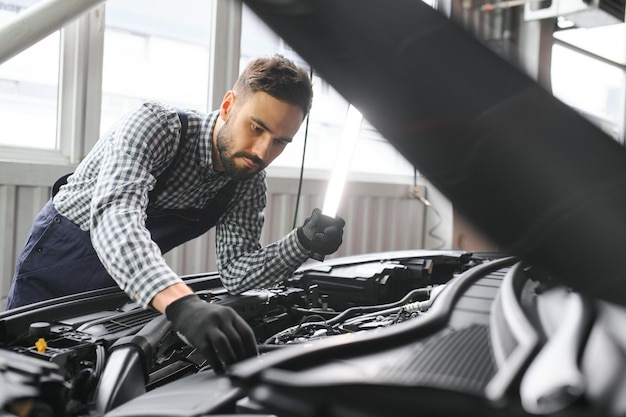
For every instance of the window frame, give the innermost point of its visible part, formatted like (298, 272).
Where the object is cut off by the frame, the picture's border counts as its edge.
(80, 92)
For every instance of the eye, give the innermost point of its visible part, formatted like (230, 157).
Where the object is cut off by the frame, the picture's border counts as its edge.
(283, 142)
(256, 128)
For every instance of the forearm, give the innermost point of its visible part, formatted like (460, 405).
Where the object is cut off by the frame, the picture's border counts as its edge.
(144, 280)
(262, 268)
(127, 251)
(172, 293)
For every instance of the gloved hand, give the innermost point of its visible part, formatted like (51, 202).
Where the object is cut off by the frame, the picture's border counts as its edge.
(217, 331)
(321, 234)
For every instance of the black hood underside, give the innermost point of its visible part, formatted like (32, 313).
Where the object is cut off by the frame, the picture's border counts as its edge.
(532, 174)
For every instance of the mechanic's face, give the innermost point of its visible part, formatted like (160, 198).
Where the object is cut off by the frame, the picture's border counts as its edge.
(254, 133)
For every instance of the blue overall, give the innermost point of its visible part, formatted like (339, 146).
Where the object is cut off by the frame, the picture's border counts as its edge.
(59, 259)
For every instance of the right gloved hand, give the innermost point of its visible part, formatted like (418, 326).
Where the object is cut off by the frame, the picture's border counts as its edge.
(321, 234)
(217, 331)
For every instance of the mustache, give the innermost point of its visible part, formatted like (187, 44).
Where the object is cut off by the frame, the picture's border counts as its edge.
(258, 161)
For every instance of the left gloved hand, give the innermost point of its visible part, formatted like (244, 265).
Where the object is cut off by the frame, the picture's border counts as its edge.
(217, 331)
(321, 234)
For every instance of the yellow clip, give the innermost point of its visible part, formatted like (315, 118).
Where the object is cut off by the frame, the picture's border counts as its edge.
(41, 345)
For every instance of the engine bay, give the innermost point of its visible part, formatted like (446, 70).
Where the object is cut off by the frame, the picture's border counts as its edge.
(450, 332)
(73, 338)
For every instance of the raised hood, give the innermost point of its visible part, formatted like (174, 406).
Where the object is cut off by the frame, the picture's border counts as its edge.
(534, 176)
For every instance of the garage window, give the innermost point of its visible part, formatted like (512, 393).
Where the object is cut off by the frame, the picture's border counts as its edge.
(155, 50)
(29, 84)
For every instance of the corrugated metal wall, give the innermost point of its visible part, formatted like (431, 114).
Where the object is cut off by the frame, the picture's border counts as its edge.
(378, 216)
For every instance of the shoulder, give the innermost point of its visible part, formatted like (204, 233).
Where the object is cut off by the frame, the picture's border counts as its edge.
(153, 123)
(147, 120)
(149, 134)
(159, 114)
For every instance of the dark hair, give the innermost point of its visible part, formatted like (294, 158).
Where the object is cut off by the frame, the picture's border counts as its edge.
(278, 77)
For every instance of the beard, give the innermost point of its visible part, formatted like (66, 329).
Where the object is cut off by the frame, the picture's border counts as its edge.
(225, 143)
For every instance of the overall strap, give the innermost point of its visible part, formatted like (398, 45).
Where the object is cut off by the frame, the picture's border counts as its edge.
(164, 176)
(170, 228)
(58, 183)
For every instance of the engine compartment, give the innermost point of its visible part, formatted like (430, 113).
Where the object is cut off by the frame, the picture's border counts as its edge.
(445, 332)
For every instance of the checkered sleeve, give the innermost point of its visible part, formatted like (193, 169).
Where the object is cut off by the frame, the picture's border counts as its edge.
(242, 263)
(143, 141)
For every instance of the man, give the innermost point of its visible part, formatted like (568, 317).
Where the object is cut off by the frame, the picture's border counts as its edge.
(161, 177)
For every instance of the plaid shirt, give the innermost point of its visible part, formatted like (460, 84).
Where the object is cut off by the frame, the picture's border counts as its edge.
(108, 194)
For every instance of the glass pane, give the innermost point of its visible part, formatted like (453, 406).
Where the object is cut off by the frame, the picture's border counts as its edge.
(593, 87)
(29, 84)
(327, 115)
(155, 50)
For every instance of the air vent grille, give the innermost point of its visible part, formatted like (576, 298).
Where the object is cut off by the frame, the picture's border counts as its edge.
(119, 323)
(458, 360)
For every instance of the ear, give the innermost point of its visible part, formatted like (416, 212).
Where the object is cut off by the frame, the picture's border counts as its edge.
(228, 104)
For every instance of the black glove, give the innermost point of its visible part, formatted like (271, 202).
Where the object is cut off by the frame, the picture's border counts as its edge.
(321, 234)
(217, 331)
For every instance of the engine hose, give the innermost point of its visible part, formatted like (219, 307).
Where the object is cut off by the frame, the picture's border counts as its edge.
(353, 311)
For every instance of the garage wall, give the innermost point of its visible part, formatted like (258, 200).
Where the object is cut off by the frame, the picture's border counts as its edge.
(379, 217)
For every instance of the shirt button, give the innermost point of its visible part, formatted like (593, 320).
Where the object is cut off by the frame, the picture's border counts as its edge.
(57, 220)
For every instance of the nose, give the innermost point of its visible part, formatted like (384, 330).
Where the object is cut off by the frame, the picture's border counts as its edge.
(262, 146)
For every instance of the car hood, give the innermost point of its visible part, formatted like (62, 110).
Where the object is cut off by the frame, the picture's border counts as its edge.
(528, 171)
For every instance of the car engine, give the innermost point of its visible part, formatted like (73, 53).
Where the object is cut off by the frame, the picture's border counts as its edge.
(58, 352)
